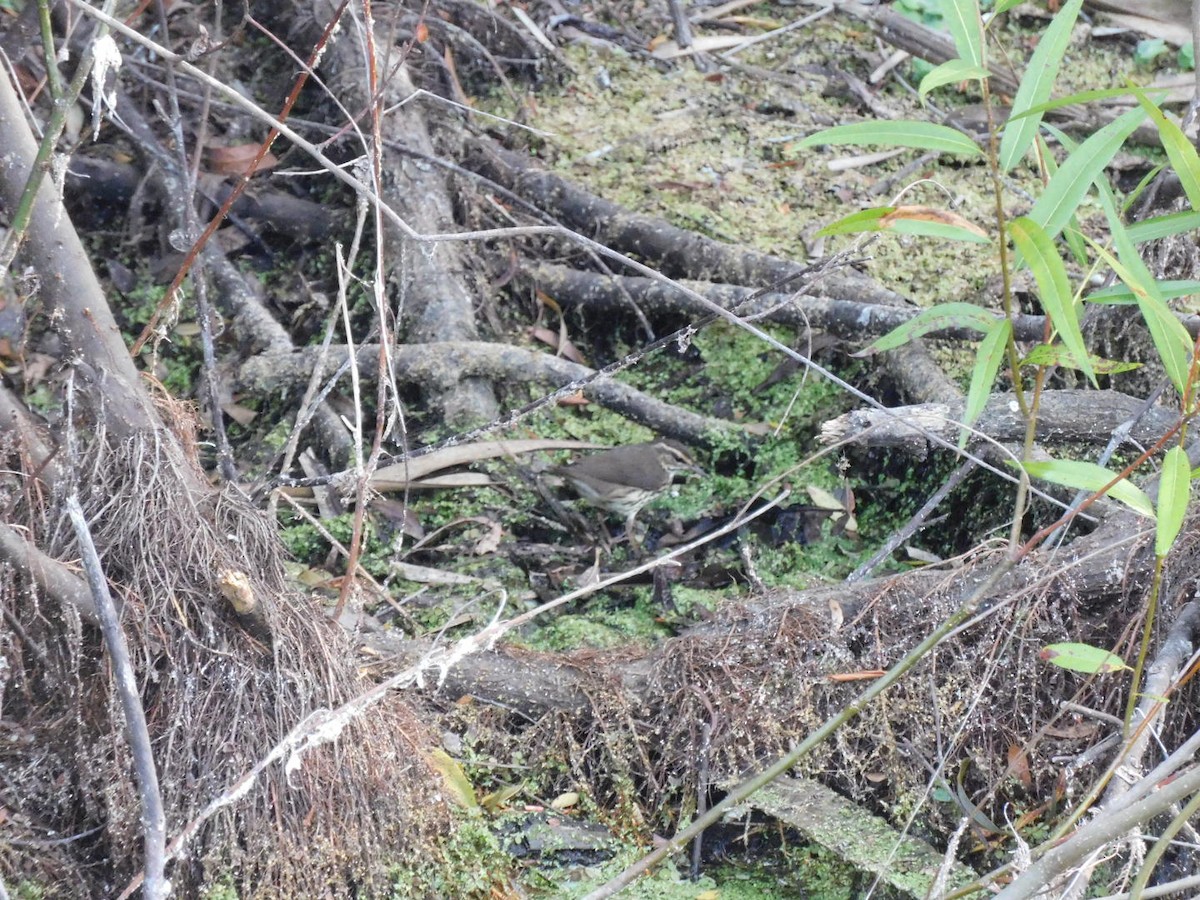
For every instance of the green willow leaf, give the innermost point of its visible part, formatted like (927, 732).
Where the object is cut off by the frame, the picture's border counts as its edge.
(963, 21)
(918, 135)
(1067, 188)
(1164, 226)
(937, 229)
(1071, 231)
(1086, 476)
(1036, 85)
(858, 222)
(1174, 492)
(1058, 355)
(951, 72)
(1180, 151)
(1082, 658)
(1171, 339)
(983, 375)
(1081, 98)
(1131, 199)
(1054, 288)
(1118, 294)
(938, 318)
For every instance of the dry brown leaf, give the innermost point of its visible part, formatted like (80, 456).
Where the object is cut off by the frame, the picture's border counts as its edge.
(561, 344)
(243, 415)
(490, 541)
(235, 160)
(864, 675)
(1018, 765)
(705, 43)
(396, 476)
(1072, 732)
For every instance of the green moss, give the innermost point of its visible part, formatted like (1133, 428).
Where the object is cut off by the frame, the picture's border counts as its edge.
(601, 624)
(469, 863)
(308, 545)
(221, 890)
(804, 871)
(178, 358)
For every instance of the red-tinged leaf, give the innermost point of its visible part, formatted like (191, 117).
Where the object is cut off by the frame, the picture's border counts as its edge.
(932, 214)
(1082, 658)
(863, 675)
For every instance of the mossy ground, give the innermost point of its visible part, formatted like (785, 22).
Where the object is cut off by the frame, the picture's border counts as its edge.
(717, 155)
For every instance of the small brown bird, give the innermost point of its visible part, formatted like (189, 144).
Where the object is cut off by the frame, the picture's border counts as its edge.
(625, 479)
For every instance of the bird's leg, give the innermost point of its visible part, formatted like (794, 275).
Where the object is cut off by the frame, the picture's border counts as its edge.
(631, 535)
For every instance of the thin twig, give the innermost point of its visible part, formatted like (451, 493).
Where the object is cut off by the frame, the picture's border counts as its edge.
(914, 524)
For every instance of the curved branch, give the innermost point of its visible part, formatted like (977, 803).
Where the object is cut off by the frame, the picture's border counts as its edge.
(439, 363)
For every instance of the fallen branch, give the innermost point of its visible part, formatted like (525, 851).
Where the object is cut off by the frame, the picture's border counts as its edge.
(154, 820)
(439, 363)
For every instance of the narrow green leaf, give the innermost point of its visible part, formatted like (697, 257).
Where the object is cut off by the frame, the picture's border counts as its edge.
(918, 135)
(1036, 84)
(1086, 476)
(983, 375)
(1071, 231)
(1075, 244)
(1180, 151)
(962, 19)
(1054, 288)
(1005, 5)
(1118, 294)
(1067, 188)
(924, 228)
(857, 222)
(918, 220)
(950, 72)
(1081, 98)
(1164, 226)
(975, 814)
(455, 779)
(1174, 491)
(937, 318)
(1082, 658)
(1171, 340)
(1132, 197)
(1058, 355)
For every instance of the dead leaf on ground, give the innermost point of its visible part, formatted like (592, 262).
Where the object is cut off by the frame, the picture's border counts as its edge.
(237, 159)
(561, 343)
(401, 474)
